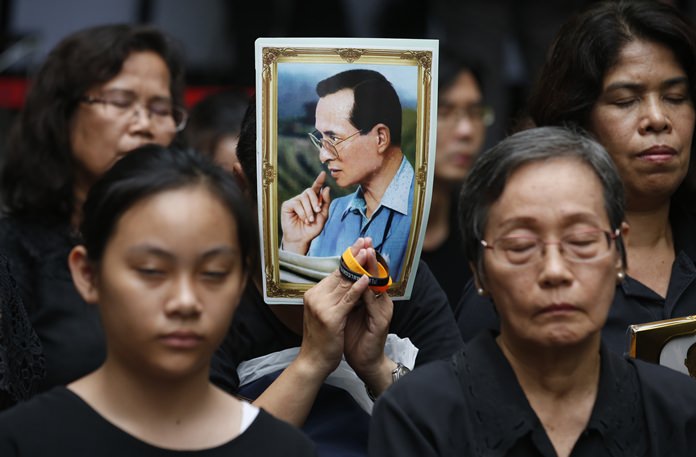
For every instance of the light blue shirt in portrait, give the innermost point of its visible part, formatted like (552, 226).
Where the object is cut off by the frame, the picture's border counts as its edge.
(388, 227)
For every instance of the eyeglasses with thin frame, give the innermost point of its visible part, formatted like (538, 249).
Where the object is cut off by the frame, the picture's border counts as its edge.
(449, 113)
(330, 145)
(577, 247)
(124, 102)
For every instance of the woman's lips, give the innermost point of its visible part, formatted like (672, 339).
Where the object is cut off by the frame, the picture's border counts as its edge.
(559, 308)
(460, 159)
(181, 339)
(657, 154)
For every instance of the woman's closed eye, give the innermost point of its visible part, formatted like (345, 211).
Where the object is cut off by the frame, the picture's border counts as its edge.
(518, 244)
(215, 275)
(625, 102)
(677, 99)
(150, 272)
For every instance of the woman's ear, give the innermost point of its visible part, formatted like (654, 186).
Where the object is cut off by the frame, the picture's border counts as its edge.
(84, 274)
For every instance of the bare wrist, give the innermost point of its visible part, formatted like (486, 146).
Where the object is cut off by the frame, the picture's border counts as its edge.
(381, 379)
(295, 247)
(312, 366)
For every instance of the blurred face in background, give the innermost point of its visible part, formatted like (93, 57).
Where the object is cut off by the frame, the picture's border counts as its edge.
(132, 109)
(461, 128)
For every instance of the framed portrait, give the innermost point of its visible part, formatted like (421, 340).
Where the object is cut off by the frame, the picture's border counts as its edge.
(345, 149)
(670, 342)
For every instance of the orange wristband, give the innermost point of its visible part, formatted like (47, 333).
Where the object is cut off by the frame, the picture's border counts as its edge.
(352, 270)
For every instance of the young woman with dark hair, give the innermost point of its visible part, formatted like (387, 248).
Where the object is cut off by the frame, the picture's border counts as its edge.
(167, 240)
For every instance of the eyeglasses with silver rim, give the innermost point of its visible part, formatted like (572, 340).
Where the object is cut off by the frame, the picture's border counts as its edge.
(577, 247)
(125, 102)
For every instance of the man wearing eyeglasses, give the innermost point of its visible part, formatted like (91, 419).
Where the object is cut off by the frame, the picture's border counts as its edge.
(358, 135)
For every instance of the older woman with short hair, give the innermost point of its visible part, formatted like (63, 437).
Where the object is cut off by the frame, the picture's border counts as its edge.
(542, 224)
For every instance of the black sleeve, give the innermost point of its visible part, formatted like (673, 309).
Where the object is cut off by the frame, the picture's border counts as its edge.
(418, 415)
(475, 313)
(427, 319)
(392, 432)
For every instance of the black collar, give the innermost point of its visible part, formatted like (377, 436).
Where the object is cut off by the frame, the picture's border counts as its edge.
(502, 416)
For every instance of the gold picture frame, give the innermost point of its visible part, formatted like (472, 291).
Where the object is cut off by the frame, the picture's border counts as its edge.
(665, 342)
(287, 72)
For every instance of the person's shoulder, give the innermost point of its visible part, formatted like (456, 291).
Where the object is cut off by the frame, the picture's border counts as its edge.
(426, 291)
(667, 390)
(425, 278)
(44, 410)
(669, 403)
(22, 237)
(272, 436)
(664, 380)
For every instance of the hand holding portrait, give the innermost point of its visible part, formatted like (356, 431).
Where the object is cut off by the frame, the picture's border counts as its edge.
(302, 218)
(335, 323)
(368, 325)
(326, 309)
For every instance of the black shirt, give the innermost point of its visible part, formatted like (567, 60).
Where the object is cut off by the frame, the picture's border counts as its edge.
(634, 303)
(60, 423)
(473, 405)
(69, 329)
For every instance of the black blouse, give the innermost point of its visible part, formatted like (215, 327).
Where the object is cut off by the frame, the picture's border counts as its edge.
(473, 405)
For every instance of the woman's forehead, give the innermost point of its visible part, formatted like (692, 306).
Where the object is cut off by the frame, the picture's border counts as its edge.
(562, 189)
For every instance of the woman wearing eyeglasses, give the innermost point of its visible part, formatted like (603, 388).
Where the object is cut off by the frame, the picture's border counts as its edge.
(100, 93)
(542, 221)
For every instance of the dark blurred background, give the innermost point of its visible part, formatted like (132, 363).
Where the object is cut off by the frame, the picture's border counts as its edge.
(506, 39)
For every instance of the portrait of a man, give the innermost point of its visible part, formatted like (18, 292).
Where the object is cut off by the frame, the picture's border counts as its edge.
(358, 121)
